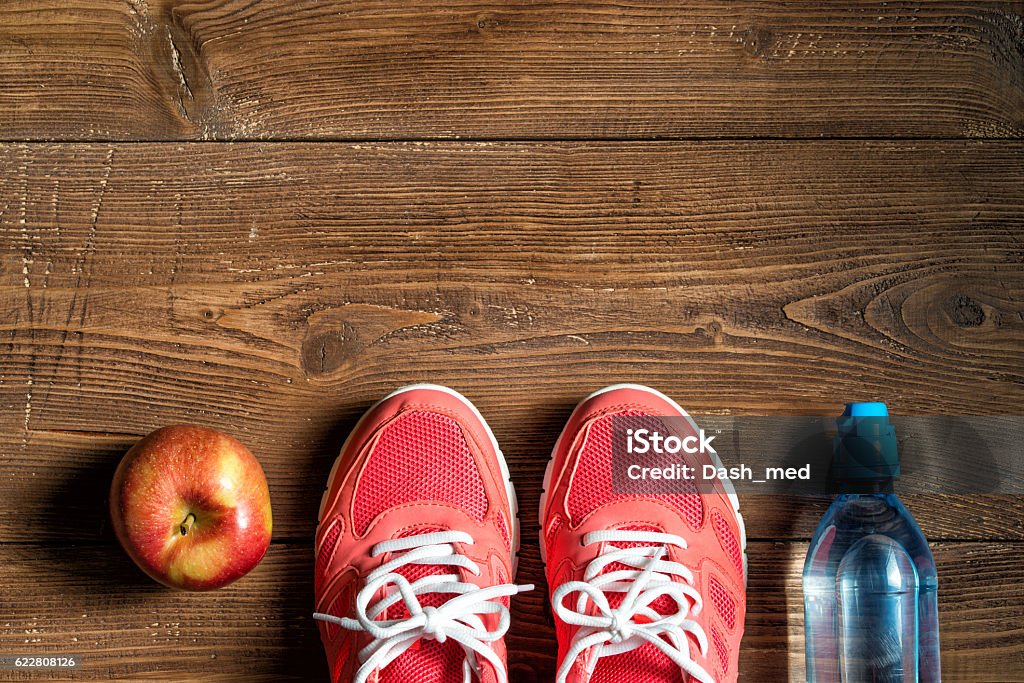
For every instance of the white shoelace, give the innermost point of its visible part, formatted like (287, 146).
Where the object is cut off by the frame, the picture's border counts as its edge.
(459, 618)
(614, 631)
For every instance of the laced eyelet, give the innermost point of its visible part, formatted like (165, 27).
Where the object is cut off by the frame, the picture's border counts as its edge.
(463, 618)
(633, 622)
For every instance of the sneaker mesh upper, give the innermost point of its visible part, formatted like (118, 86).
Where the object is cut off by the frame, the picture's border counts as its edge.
(506, 536)
(428, 661)
(420, 456)
(728, 539)
(723, 602)
(647, 663)
(592, 479)
(721, 649)
(590, 489)
(323, 558)
(644, 665)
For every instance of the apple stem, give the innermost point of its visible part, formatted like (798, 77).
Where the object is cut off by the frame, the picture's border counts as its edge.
(190, 519)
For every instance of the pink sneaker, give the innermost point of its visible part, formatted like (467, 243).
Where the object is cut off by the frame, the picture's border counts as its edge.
(645, 588)
(416, 545)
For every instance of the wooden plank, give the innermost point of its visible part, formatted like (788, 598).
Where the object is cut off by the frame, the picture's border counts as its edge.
(62, 478)
(379, 69)
(143, 285)
(91, 601)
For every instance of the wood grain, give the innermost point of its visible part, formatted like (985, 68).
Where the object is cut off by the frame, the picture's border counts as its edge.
(55, 489)
(143, 285)
(90, 600)
(275, 288)
(381, 69)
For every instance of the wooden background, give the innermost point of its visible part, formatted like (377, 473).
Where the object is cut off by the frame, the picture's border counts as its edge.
(262, 216)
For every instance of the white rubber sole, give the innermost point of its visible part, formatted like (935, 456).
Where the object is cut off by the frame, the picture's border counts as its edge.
(509, 488)
(730, 489)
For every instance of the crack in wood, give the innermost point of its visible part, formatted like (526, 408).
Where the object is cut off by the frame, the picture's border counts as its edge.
(179, 72)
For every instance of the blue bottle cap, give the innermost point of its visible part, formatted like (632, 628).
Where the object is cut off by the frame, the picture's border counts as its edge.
(865, 446)
(868, 409)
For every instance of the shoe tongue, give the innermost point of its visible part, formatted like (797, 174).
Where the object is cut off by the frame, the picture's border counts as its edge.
(427, 661)
(663, 605)
(646, 663)
(415, 572)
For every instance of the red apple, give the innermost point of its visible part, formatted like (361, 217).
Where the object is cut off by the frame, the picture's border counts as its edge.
(191, 506)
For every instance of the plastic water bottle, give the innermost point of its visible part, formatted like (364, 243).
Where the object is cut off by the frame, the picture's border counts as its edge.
(870, 588)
